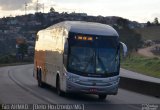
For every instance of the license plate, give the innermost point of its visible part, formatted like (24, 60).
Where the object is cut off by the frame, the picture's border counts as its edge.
(93, 90)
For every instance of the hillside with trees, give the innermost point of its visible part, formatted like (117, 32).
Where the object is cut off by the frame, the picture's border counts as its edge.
(132, 39)
(151, 32)
(26, 26)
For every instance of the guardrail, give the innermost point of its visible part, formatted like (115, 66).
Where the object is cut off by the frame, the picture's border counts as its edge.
(140, 86)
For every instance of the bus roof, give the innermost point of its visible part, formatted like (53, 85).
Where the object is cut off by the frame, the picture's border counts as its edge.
(91, 28)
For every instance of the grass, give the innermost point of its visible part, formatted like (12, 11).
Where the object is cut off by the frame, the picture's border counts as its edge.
(151, 32)
(140, 64)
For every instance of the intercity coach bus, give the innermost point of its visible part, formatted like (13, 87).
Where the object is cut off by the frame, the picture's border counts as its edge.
(79, 57)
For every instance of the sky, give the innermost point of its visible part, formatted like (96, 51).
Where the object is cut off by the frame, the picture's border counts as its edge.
(134, 10)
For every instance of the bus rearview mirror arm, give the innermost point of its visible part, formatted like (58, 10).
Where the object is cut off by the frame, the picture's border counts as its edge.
(124, 49)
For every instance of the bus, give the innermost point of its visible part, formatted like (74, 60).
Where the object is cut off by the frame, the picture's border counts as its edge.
(79, 57)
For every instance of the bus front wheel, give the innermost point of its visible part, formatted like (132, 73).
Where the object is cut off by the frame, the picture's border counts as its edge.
(102, 96)
(59, 91)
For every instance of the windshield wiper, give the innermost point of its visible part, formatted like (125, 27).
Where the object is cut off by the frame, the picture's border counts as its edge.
(89, 61)
(102, 64)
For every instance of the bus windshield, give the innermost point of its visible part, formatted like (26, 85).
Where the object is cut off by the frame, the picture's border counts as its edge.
(97, 56)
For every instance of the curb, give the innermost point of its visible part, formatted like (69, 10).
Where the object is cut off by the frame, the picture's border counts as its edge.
(140, 86)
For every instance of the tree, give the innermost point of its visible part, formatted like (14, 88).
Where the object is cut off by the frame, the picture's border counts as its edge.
(52, 10)
(40, 17)
(132, 39)
(149, 24)
(156, 22)
(23, 49)
(122, 22)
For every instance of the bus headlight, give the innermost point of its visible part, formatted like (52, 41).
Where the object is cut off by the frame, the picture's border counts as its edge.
(73, 78)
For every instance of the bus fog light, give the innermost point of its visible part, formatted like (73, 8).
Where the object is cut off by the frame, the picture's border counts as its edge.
(75, 80)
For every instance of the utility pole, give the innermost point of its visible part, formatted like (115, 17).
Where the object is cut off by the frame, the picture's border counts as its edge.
(37, 7)
(25, 8)
(43, 7)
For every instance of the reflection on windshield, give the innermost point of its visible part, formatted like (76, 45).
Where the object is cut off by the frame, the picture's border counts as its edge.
(106, 60)
(82, 59)
(100, 58)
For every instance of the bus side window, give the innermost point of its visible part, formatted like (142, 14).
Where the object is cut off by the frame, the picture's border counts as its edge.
(65, 54)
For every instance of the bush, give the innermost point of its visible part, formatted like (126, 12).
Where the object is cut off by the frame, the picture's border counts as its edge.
(11, 59)
(5, 59)
(147, 66)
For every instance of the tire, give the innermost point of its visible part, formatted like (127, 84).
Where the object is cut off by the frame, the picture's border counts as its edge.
(39, 78)
(102, 96)
(59, 91)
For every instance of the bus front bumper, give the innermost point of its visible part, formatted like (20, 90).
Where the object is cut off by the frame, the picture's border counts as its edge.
(110, 88)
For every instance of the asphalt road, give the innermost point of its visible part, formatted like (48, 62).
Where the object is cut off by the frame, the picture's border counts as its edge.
(17, 86)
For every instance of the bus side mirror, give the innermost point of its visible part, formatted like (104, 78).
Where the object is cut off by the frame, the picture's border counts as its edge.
(124, 49)
(37, 37)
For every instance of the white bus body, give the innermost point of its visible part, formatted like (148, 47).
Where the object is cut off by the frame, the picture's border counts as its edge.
(81, 57)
